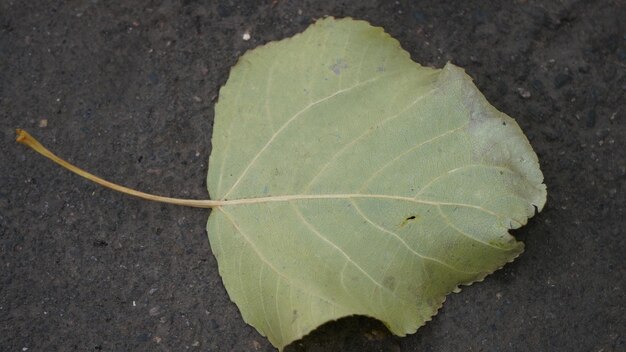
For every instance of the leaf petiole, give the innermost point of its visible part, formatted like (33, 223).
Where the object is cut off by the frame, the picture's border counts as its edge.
(28, 140)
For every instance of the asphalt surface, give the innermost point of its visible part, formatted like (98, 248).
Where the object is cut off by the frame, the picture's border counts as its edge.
(127, 91)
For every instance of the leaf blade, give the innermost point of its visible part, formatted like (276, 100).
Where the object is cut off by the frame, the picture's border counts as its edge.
(367, 184)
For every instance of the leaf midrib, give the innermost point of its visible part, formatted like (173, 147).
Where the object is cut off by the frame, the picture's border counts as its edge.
(297, 197)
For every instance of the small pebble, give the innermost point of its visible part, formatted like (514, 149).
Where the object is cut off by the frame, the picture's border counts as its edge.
(43, 123)
(524, 93)
(246, 36)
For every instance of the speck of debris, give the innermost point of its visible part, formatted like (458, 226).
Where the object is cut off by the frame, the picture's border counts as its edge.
(100, 243)
(154, 311)
(43, 123)
(375, 335)
(524, 93)
(246, 36)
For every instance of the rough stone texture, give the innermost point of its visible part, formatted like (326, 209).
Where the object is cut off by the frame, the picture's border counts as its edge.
(127, 91)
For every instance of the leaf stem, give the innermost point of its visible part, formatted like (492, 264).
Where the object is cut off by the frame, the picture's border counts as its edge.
(28, 140)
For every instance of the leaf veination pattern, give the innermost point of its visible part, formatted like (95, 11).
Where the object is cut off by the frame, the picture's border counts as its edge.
(294, 117)
(358, 182)
(406, 245)
(259, 254)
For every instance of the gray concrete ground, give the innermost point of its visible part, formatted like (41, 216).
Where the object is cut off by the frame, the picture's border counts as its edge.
(127, 91)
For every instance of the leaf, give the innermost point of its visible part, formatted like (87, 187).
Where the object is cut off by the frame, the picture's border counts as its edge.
(348, 179)
(356, 181)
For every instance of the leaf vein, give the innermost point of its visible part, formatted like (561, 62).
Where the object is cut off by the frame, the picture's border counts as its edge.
(228, 132)
(265, 315)
(267, 262)
(280, 321)
(298, 197)
(343, 253)
(293, 118)
(448, 172)
(401, 240)
(365, 134)
(412, 149)
(452, 225)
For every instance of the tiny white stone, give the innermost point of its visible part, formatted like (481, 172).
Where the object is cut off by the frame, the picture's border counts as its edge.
(134, 304)
(246, 35)
(524, 93)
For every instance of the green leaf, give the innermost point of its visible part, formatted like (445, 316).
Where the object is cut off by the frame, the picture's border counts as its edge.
(360, 183)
